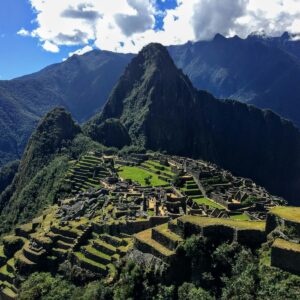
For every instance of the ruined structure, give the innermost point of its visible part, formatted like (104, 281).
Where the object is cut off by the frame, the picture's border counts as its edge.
(143, 204)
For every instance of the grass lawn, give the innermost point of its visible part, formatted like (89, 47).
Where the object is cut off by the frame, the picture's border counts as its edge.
(208, 202)
(139, 175)
(238, 224)
(241, 217)
(283, 244)
(287, 212)
(1, 251)
(165, 169)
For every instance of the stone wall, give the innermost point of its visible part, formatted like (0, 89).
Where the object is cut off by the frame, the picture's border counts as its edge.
(163, 240)
(274, 221)
(285, 259)
(250, 238)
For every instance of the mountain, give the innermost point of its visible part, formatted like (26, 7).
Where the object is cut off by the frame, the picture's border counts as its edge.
(161, 110)
(7, 174)
(287, 42)
(263, 71)
(81, 84)
(257, 70)
(36, 182)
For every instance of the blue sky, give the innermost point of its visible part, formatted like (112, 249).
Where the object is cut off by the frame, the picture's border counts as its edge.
(19, 55)
(36, 33)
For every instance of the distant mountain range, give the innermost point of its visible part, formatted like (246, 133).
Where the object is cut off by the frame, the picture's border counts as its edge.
(156, 105)
(81, 85)
(259, 70)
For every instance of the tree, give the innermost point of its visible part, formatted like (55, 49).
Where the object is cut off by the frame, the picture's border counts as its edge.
(242, 285)
(189, 291)
(45, 287)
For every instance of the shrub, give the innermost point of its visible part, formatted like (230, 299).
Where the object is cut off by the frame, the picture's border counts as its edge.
(12, 244)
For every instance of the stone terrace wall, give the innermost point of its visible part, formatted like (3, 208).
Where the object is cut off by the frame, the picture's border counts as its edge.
(286, 259)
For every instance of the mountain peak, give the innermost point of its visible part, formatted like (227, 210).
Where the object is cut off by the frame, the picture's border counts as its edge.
(53, 133)
(154, 54)
(219, 37)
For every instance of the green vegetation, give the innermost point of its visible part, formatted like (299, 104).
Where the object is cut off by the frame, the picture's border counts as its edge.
(225, 271)
(208, 202)
(241, 217)
(287, 212)
(283, 244)
(7, 174)
(40, 182)
(169, 234)
(85, 174)
(259, 225)
(12, 244)
(145, 237)
(44, 286)
(139, 175)
(158, 167)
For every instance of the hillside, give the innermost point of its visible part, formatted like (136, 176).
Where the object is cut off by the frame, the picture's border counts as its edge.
(81, 84)
(34, 185)
(261, 70)
(258, 70)
(162, 111)
(141, 226)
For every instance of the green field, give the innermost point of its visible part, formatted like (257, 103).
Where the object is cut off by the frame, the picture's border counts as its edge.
(139, 175)
(205, 221)
(287, 212)
(208, 202)
(151, 164)
(241, 217)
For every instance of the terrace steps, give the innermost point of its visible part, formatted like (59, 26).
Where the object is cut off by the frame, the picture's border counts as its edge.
(95, 255)
(145, 243)
(8, 294)
(90, 264)
(86, 173)
(104, 247)
(163, 235)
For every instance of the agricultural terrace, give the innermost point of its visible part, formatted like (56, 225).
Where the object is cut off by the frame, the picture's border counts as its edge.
(206, 201)
(141, 176)
(202, 221)
(287, 213)
(240, 217)
(283, 244)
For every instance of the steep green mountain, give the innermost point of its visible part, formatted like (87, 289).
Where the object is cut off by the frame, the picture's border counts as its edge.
(259, 70)
(40, 169)
(7, 174)
(161, 110)
(81, 84)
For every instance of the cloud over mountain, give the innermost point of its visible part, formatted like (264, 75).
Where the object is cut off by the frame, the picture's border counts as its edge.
(127, 25)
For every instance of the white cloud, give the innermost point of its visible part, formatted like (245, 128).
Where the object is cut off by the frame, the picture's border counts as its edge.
(128, 25)
(82, 51)
(48, 46)
(23, 32)
(140, 21)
